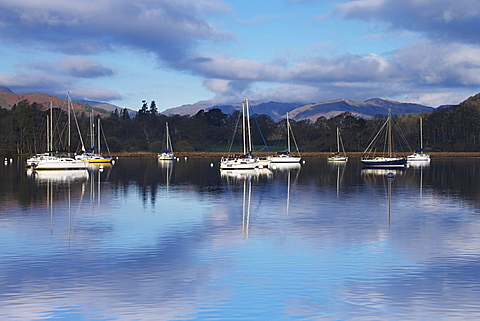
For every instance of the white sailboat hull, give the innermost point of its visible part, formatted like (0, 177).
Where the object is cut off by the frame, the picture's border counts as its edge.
(167, 154)
(284, 159)
(338, 158)
(244, 161)
(166, 157)
(418, 158)
(93, 158)
(59, 163)
(240, 163)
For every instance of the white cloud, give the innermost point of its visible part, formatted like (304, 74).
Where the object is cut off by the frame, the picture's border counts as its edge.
(74, 66)
(169, 28)
(430, 63)
(94, 93)
(32, 82)
(218, 86)
(425, 71)
(438, 19)
(173, 30)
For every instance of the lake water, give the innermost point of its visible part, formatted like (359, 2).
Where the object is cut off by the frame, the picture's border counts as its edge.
(146, 241)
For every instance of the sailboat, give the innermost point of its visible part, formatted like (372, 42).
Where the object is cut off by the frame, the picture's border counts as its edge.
(338, 157)
(89, 155)
(390, 160)
(167, 154)
(33, 161)
(50, 161)
(245, 160)
(286, 157)
(419, 156)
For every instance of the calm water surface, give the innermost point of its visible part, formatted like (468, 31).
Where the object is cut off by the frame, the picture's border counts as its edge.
(146, 241)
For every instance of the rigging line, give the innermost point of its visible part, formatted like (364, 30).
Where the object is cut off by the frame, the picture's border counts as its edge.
(260, 131)
(78, 129)
(261, 135)
(234, 132)
(341, 143)
(402, 135)
(385, 144)
(104, 138)
(375, 138)
(294, 140)
(70, 105)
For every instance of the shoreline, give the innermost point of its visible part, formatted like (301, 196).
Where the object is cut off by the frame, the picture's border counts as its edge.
(306, 154)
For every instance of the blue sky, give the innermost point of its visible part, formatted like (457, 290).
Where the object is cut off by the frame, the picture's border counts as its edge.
(180, 52)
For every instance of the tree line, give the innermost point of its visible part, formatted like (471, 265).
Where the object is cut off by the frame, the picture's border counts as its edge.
(23, 130)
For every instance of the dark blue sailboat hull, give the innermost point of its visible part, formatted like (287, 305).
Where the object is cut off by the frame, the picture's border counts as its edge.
(384, 162)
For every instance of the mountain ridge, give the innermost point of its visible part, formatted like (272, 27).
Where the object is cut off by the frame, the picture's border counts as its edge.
(297, 111)
(8, 99)
(276, 110)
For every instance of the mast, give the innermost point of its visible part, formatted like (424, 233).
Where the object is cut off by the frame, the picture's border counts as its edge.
(421, 134)
(338, 140)
(169, 141)
(288, 134)
(98, 137)
(248, 127)
(50, 147)
(389, 128)
(46, 136)
(243, 130)
(69, 123)
(92, 131)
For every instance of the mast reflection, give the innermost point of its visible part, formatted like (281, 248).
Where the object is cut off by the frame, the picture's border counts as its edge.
(245, 177)
(388, 176)
(287, 168)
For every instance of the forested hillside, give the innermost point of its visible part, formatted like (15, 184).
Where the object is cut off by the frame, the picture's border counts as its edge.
(23, 130)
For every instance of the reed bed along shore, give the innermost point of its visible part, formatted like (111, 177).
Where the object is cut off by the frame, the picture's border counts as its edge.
(305, 154)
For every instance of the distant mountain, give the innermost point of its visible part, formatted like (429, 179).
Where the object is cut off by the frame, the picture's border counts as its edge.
(276, 110)
(365, 109)
(312, 111)
(190, 109)
(6, 89)
(8, 99)
(472, 101)
(106, 106)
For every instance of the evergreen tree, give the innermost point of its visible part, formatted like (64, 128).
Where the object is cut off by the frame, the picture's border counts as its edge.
(125, 114)
(143, 110)
(153, 108)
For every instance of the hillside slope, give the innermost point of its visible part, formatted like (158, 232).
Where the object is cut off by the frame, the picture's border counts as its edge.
(8, 99)
(328, 109)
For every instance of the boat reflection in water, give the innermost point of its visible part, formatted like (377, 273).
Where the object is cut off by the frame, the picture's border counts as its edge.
(245, 177)
(419, 167)
(285, 166)
(387, 175)
(419, 163)
(59, 176)
(241, 174)
(246, 205)
(100, 167)
(340, 167)
(59, 186)
(379, 172)
(167, 170)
